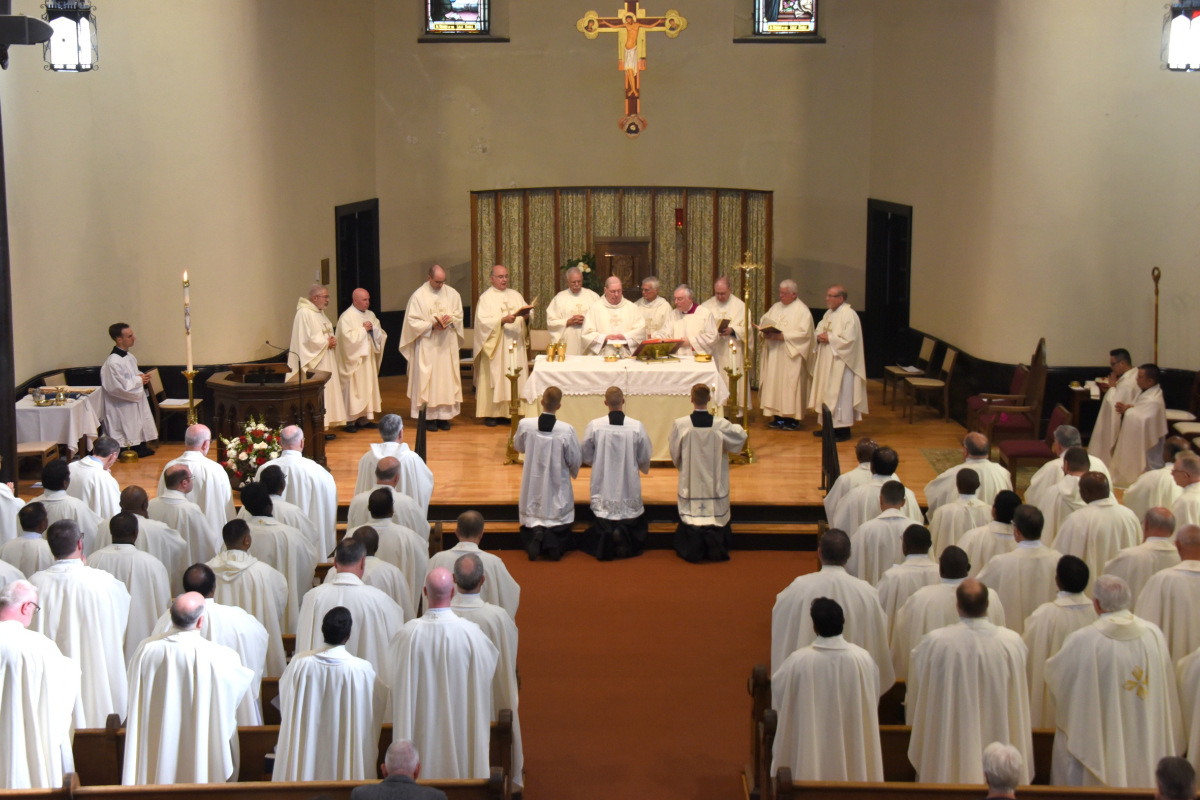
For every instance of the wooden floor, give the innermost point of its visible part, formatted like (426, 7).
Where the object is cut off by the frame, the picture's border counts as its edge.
(467, 461)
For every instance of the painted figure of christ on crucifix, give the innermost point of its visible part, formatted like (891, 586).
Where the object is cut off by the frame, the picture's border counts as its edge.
(632, 24)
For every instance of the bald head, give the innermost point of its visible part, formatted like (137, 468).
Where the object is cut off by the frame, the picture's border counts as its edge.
(972, 599)
(387, 471)
(1159, 522)
(612, 290)
(173, 477)
(291, 438)
(1187, 469)
(975, 445)
(134, 500)
(361, 299)
(437, 277)
(187, 611)
(197, 437)
(439, 587)
(1187, 541)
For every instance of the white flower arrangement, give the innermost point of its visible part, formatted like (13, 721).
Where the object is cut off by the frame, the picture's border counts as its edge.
(244, 454)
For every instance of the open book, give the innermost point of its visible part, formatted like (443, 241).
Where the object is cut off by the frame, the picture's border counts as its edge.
(722, 324)
(523, 311)
(768, 329)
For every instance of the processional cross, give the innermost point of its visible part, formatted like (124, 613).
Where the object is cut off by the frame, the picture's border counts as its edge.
(632, 24)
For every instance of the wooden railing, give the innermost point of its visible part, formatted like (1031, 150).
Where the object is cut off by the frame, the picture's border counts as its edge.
(786, 789)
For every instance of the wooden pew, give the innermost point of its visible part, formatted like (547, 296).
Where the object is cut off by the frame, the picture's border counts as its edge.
(786, 789)
(269, 691)
(289, 644)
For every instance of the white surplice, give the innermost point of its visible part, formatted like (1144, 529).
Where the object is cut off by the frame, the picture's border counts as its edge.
(876, 547)
(147, 582)
(387, 578)
(901, 581)
(440, 669)
(127, 415)
(784, 366)
(291, 515)
(254, 587)
(993, 479)
(827, 697)
(313, 490)
(657, 316)
(928, 609)
(1045, 631)
(183, 696)
(211, 489)
(845, 394)
(9, 573)
(1169, 600)
(499, 589)
(60, 505)
(1118, 709)
(862, 503)
(984, 543)
(1136, 565)
(733, 310)
(617, 453)
(286, 550)
(1155, 488)
(1058, 503)
(434, 379)
(698, 326)
(404, 549)
(1108, 421)
(10, 527)
(702, 457)
(1096, 533)
(179, 514)
(1048, 476)
(377, 617)
(1188, 673)
(160, 541)
(95, 486)
(1024, 579)
(567, 304)
(41, 686)
(416, 478)
(626, 319)
(952, 520)
(85, 611)
(1139, 445)
(327, 696)
(359, 354)
(406, 512)
(866, 625)
(498, 349)
(845, 483)
(309, 347)
(1187, 507)
(552, 460)
(29, 553)
(967, 689)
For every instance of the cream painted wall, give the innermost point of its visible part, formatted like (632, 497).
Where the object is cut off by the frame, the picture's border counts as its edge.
(216, 137)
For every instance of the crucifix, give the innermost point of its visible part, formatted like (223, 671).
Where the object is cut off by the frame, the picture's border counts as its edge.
(631, 25)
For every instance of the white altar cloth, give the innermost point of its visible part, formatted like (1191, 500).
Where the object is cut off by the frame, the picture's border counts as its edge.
(64, 424)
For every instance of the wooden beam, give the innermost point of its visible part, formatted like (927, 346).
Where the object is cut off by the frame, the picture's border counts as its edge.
(588, 237)
(499, 254)
(474, 244)
(621, 211)
(653, 229)
(557, 245)
(683, 253)
(768, 246)
(716, 254)
(525, 241)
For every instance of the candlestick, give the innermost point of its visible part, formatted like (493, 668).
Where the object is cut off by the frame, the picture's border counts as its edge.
(187, 318)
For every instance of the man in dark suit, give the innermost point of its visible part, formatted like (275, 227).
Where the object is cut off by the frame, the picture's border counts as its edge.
(401, 767)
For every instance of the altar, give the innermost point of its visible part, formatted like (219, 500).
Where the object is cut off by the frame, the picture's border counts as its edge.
(656, 393)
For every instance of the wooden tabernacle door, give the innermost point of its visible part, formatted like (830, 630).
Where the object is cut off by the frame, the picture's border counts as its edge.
(626, 257)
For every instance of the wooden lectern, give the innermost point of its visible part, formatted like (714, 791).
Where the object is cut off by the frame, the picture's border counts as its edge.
(239, 394)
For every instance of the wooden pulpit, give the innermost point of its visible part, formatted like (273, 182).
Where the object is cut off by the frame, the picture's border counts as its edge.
(240, 394)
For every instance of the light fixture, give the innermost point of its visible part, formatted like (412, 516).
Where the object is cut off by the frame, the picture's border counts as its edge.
(1181, 36)
(72, 48)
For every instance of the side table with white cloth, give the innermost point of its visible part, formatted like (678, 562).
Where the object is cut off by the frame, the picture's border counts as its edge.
(66, 424)
(656, 393)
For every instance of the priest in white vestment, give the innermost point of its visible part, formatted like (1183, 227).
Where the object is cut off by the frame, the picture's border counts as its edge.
(405, 510)
(967, 688)
(916, 571)
(876, 546)
(249, 584)
(9, 574)
(618, 448)
(1170, 598)
(377, 617)
(691, 322)
(501, 334)
(416, 478)
(210, 488)
(700, 446)
(385, 575)
(564, 315)
(552, 461)
(279, 546)
(127, 415)
(184, 691)
(827, 697)
(440, 669)
(984, 543)
(1188, 671)
(1049, 626)
(853, 478)
(1187, 475)
(10, 504)
(399, 545)
(866, 625)
(613, 324)
(56, 478)
(144, 576)
(500, 588)
(430, 341)
(85, 611)
(469, 579)
(328, 696)
(965, 513)
(1050, 473)
(1121, 387)
(1118, 709)
(93, 483)
(310, 487)
(655, 310)
(730, 350)
(154, 537)
(275, 481)
(1143, 429)
(1099, 530)
(29, 552)
(1136, 565)
(1024, 576)
(172, 508)
(359, 353)
(41, 687)
(313, 348)
(993, 478)
(785, 359)
(862, 503)
(1064, 499)
(839, 370)
(1157, 487)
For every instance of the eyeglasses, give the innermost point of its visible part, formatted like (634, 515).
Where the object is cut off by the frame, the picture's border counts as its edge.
(36, 607)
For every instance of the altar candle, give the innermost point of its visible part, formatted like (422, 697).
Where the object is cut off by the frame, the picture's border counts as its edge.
(187, 319)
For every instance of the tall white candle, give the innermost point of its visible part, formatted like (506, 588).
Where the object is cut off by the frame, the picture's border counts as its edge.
(187, 319)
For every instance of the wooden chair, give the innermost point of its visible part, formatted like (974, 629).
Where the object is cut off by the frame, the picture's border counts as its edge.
(45, 452)
(895, 374)
(1021, 419)
(914, 387)
(1016, 453)
(164, 406)
(57, 379)
(1018, 389)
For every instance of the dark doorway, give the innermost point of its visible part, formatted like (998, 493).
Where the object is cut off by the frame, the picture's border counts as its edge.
(626, 257)
(889, 253)
(357, 252)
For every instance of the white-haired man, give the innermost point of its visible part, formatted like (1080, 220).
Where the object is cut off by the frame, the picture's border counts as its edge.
(839, 370)
(613, 323)
(309, 486)
(654, 309)
(730, 350)
(1121, 387)
(313, 347)
(1111, 678)
(401, 767)
(416, 478)
(362, 339)
(1002, 766)
(564, 315)
(1136, 565)
(1169, 599)
(210, 483)
(1050, 473)
(127, 416)
(1157, 487)
(93, 483)
(692, 323)
(430, 341)
(993, 478)
(1187, 475)
(787, 331)
(501, 319)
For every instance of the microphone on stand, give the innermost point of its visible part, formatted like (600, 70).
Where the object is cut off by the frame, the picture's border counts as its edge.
(300, 386)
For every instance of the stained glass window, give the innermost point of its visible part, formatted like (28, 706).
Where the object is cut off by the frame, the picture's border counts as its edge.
(784, 17)
(454, 17)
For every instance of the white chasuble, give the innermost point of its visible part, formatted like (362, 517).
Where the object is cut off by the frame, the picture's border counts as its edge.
(928, 609)
(733, 310)
(966, 690)
(285, 549)
(1110, 680)
(313, 490)
(29, 553)
(1139, 445)
(10, 528)
(784, 366)
(1108, 421)
(249, 584)
(1155, 488)
(327, 696)
(701, 454)
(1048, 476)
(1024, 579)
(552, 460)
(127, 415)
(953, 520)
(902, 581)
(1169, 600)
(876, 547)
(158, 540)
(866, 625)
(499, 347)
(416, 478)
(405, 511)
(993, 479)
(657, 316)
(359, 354)
(85, 612)
(1136, 565)
(984, 543)
(697, 326)
(567, 304)
(211, 489)
(1189, 700)
(862, 504)
(291, 515)
(9, 573)
(1097, 533)
(434, 380)
(1045, 631)
(618, 448)
(624, 319)
(179, 514)
(403, 549)
(183, 696)
(377, 617)
(310, 348)
(60, 505)
(1187, 507)
(440, 669)
(845, 483)
(846, 395)
(94, 486)
(387, 578)
(147, 582)
(1058, 503)
(41, 686)
(499, 589)
(827, 697)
